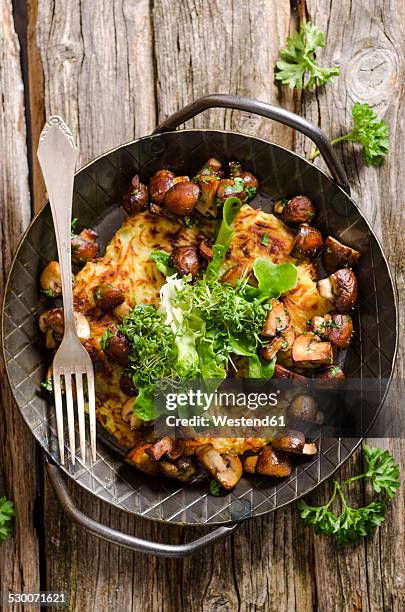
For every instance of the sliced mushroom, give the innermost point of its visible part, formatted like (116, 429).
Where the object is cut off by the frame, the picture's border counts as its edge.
(270, 351)
(309, 351)
(288, 336)
(333, 372)
(82, 326)
(309, 448)
(249, 463)
(117, 348)
(107, 297)
(127, 385)
(277, 320)
(225, 467)
(206, 204)
(84, 246)
(51, 323)
(159, 185)
(182, 469)
(121, 311)
(273, 463)
(290, 441)
(337, 328)
(299, 209)
(128, 415)
(141, 460)
(340, 288)
(50, 279)
(281, 372)
(233, 275)
(185, 260)
(160, 447)
(136, 198)
(205, 250)
(337, 255)
(305, 408)
(308, 242)
(182, 198)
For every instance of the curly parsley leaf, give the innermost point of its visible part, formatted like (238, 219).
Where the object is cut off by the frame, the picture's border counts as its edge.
(215, 488)
(6, 515)
(354, 523)
(368, 130)
(105, 338)
(297, 65)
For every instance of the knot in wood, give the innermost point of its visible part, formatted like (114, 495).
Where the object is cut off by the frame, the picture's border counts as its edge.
(371, 74)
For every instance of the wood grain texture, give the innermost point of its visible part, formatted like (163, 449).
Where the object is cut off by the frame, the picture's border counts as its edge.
(113, 69)
(19, 561)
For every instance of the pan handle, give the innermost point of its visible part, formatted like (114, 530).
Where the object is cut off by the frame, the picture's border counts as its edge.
(170, 551)
(281, 115)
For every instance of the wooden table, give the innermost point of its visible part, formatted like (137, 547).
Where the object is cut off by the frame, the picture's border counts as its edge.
(113, 69)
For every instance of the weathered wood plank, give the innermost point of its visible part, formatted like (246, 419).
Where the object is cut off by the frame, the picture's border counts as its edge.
(365, 39)
(19, 564)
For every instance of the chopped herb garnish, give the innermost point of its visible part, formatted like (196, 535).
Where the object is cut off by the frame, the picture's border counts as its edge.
(47, 385)
(105, 338)
(73, 226)
(215, 488)
(265, 240)
(48, 292)
(250, 191)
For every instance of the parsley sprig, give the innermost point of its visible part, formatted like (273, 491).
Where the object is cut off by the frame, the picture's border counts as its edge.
(297, 65)
(353, 523)
(6, 516)
(370, 131)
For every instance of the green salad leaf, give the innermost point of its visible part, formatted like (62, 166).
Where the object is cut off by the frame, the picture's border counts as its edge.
(230, 210)
(163, 263)
(272, 279)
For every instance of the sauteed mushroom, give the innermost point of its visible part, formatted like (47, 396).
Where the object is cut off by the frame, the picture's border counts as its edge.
(340, 288)
(136, 198)
(337, 328)
(273, 463)
(233, 275)
(84, 246)
(308, 242)
(228, 188)
(305, 408)
(333, 372)
(160, 447)
(50, 279)
(299, 209)
(51, 323)
(128, 415)
(292, 441)
(185, 260)
(270, 351)
(181, 198)
(249, 463)
(281, 372)
(205, 250)
(250, 182)
(225, 467)
(127, 385)
(159, 185)
(308, 351)
(182, 469)
(211, 168)
(107, 297)
(276, 321)
(140, 459)
(337, 255)
(117, 348)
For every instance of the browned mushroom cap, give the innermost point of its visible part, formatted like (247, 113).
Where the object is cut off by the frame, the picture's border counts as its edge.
(127, 385)
(281, 372)
(249, 463)
(341, 330)
(159, 185)
(51, 324)
(235, 169)
(308, 351)
(233, 275)
(205, 250)
(270, 351)
(250, 182)
(340, 288)
(84, 246)
(277, 319)
(225, 467)
(185, 260)
(181, 198)
(333, 372)
(160, 447)
(182, 469)
(50, 279)
(305, 408)
(128, 415)
(107, 297)
(337, 255)
(228, 188)
(308, 242)
(320, 326)
(181, 179)
(117, 348)
(290, 441)
(141, 460)
(299, 209)
(273, 463)
(211, 168)
(136, 198)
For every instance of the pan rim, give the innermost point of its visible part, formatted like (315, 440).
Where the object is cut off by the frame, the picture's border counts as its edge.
(359, 440)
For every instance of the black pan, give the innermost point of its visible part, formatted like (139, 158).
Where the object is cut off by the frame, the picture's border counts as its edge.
(97, 193)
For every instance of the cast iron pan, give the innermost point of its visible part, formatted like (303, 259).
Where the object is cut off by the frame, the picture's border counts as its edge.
(97, 194)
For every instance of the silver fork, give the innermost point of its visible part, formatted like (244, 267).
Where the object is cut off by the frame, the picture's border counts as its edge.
(57, 154)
